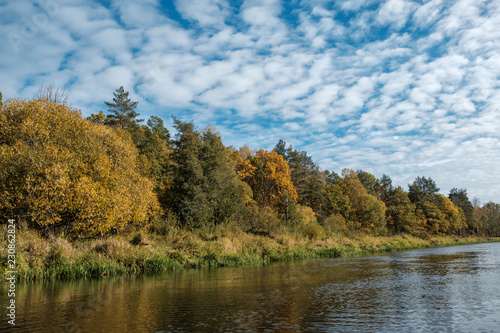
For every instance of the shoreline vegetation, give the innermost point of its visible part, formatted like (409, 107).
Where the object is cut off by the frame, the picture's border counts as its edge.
(108, 195)
(42, 258)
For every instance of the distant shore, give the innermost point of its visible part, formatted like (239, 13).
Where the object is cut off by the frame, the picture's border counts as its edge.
(39, 258)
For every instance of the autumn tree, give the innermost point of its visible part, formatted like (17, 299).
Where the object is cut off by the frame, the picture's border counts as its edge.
(98, 118)
(454, 217)
(491, 219)
(423, 193)
(434, 222)
(477, 217)
(122, 111)
(57, 169)
(486, 219)
(268, 175)
(459, 198)
(351, 184)
(305, 175)
(372, 185)
(336, 202)
(368, 211)
(400, 212)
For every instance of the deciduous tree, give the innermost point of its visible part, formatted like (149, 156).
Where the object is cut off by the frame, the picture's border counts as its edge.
(306, 177)
(268, 175)
(60, 170)
(454, 215)
(400, 212)
(369, 212)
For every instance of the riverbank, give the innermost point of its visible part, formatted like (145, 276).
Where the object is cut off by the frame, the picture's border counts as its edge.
(40, 258)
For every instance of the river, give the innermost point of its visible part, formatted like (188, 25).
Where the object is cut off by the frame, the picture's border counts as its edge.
(454, 289)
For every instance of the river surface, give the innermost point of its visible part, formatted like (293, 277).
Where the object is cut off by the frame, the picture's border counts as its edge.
(454, 289)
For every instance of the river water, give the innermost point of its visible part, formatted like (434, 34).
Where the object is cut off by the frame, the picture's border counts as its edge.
(454, 289)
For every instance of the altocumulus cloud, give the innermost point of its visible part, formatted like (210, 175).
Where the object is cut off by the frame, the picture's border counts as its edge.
(405, 88)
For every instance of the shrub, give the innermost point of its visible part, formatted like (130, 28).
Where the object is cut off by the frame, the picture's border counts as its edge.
(62, 170)
(335, 223)
(262, 221)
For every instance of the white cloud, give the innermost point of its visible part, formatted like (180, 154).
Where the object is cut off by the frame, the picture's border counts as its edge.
(392, 87)
(428, 13)
(138, 14)
(395, 12)
(166, 38)
(207, 13)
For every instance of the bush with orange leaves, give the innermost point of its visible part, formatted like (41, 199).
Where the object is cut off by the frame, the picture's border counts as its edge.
(57, 169)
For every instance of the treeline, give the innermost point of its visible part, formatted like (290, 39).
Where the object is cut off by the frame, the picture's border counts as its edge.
(111, 172)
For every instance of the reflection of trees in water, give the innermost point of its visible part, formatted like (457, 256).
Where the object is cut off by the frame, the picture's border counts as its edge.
(421, 289)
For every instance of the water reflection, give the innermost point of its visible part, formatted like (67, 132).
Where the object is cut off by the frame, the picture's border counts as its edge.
(451, 289)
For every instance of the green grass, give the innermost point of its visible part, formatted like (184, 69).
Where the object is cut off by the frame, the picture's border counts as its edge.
(39, 258)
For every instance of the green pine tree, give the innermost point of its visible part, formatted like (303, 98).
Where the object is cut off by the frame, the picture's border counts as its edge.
(122, 111)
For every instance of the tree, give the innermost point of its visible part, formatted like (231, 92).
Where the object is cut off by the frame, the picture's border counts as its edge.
(206, 189)
(369, 212)
(60, 170)
(386, 188)
(280, 148)
(226, 193)
(244, 152)
(268, 175)
(454, 216)
(459, 198)
(422, 189)
(189, 198)
(97, 118)
(434, 219)
(153, 143)
(400, 211)
(477, 216)
(370, 183)
(1, 102)
(122, 109)
(331, 177)
(351, 184)
(491, 219)
(53, 94)
(337, 202)
(305, 175)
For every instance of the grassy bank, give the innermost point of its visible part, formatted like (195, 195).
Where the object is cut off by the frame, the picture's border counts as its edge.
(55, 257)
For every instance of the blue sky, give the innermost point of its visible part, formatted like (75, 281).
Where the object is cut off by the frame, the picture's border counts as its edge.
(405, 88)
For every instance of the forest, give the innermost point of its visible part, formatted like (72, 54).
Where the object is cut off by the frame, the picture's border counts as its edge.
(114, 173)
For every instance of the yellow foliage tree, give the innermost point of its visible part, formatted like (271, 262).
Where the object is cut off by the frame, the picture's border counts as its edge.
(351, 184)
(58, 169)
(268, 175)
(454, 216)
(369, 212)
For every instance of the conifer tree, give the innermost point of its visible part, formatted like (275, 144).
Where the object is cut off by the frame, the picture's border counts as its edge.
(206, 189)
(122, 111)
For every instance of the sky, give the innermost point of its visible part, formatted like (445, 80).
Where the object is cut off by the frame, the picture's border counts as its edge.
(396, 87)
